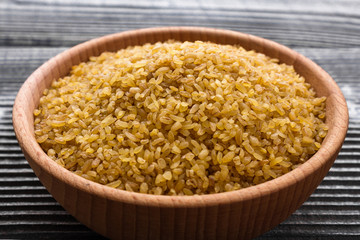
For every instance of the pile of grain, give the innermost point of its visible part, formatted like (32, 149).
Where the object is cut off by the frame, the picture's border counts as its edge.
(180, 119)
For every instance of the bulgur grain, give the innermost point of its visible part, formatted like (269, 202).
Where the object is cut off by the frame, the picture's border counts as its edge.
(180, 118)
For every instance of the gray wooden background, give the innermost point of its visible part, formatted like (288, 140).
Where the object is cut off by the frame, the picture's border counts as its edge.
(327, 31)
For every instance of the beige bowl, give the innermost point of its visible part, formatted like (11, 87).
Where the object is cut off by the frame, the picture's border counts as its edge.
(118, 214)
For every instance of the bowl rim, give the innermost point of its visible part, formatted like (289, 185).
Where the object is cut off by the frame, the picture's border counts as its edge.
(330, 147)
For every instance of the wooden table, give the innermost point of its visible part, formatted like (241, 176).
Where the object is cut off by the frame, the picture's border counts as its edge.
(327, 31)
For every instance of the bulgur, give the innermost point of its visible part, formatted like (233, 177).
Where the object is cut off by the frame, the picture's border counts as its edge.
(180, 118)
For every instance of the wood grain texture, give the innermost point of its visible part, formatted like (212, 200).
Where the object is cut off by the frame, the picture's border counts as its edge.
(124, 215)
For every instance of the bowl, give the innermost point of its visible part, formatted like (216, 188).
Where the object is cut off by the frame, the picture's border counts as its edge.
(241, 214)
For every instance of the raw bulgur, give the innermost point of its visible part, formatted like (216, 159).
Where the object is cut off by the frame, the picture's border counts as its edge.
(180, 119)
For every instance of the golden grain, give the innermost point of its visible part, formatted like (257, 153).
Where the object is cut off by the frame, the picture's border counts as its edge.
(180, 119)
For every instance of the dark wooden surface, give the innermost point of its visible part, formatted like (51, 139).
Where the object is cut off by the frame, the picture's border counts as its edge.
(327, 31)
